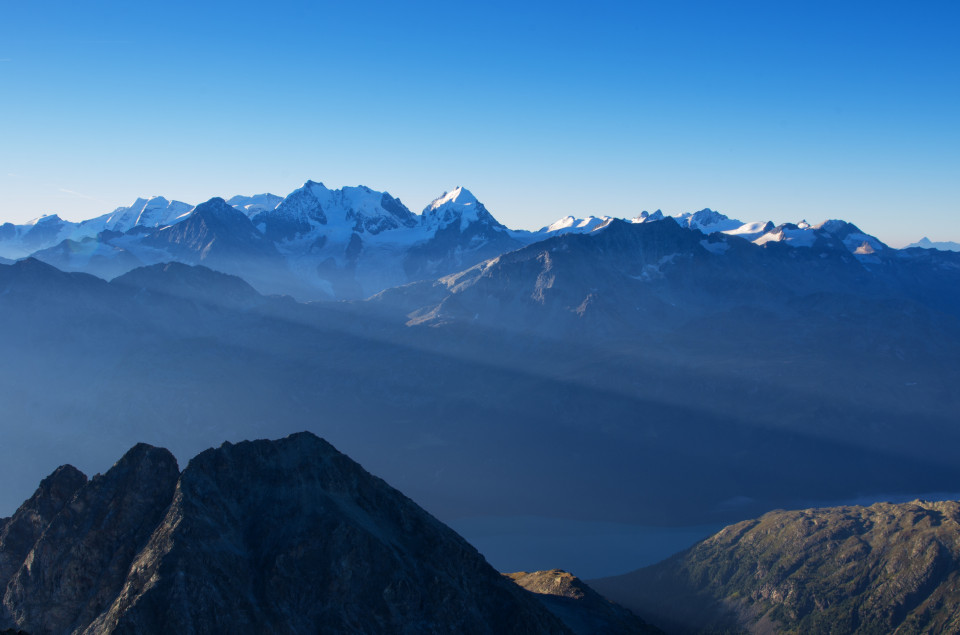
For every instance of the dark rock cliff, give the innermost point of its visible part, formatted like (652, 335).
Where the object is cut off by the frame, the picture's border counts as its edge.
(79, 563)
(286, 536)
(19, 532)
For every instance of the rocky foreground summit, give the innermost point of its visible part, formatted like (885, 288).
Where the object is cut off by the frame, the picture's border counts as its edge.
(285, 536)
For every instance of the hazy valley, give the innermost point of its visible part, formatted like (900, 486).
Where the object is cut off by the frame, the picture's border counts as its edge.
(655, 374)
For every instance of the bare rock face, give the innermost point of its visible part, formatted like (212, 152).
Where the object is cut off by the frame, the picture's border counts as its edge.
(291, 537)
(19, 532)
(581, 608)
(80, 561)
(284, 536)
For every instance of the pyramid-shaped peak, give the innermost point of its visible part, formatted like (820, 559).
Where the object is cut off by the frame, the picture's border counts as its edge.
(459, 196)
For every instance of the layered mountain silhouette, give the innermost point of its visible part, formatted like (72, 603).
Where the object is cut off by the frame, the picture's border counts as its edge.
(285, 536)
(350, 243)
(733, 377)
(879, 569)
(314, 244)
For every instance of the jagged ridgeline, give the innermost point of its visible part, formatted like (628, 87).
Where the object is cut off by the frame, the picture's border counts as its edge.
(349, 243)
(880, 569)
(285, 536)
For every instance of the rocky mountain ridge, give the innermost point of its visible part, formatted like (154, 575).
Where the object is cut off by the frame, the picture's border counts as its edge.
(286, 536)
(880, 569)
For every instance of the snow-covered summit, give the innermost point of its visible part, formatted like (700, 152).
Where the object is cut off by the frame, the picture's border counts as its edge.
(456, 205)
(43, 219)
(571, 224)
(708, 221)
(152, 212)
(826, 235)
(460, 196)
(647, 217)
(349, 209)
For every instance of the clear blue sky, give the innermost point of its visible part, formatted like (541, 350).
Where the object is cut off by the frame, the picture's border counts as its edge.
(768, 110)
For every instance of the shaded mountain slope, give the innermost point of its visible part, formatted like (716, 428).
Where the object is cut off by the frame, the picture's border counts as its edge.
(19, 532)
(629, 278)
(82, 557)
(731, 413)
(879, 569)
(285, 536)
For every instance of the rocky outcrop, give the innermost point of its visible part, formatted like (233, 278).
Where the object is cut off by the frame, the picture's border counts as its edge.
(879, 569)
(19, 532)
(581, 608)
(80, 562)
(288, 536)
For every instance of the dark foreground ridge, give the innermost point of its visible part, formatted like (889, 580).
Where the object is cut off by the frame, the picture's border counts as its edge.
(880, 569)
(287, 536)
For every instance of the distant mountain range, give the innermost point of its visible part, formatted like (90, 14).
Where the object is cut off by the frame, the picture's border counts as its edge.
(285, 536)
(633, 352)
(350, 243)
(926, 243)
(316, 243)
(648, 372)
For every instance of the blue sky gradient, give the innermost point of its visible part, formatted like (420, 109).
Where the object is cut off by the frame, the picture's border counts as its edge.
(762, 110)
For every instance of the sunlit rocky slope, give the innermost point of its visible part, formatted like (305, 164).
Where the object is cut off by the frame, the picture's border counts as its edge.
(879, 569)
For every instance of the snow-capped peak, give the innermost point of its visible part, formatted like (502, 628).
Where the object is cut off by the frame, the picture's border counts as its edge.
(314, 212)
(459, 196)
(44, 218)
(574, 225)
(647, 217)
(153, 212)
(458, 204)
(708, 221)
